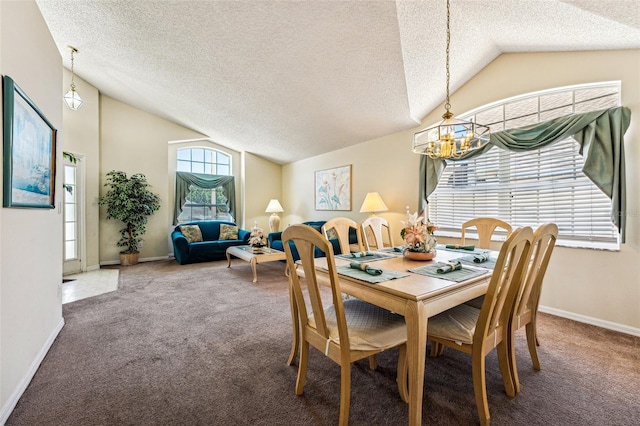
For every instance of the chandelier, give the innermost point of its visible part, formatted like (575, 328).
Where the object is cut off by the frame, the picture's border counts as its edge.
(452, 138)
(72, 99)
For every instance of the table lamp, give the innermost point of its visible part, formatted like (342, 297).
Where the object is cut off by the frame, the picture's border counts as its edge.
(274, 220)
(373, 203)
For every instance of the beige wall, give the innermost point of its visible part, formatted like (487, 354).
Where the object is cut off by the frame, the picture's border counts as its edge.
(262, 181)
(578, 285)
(30, 306)
(81, 136)
(134, 141)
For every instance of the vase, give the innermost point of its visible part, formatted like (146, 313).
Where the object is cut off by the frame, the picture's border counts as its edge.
(419, 255)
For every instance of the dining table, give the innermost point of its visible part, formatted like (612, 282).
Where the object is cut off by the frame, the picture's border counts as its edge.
(412, 290)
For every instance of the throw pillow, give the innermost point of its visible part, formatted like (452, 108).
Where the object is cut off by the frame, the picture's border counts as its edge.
(228, 232)
(191, 232)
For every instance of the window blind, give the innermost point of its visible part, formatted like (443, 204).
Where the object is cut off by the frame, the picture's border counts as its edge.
(535, 187)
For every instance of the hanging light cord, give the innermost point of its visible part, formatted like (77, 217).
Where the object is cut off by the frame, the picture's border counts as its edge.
(73, 85)
(447, 105)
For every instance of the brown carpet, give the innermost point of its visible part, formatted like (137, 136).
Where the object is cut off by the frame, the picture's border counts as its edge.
(203, 345)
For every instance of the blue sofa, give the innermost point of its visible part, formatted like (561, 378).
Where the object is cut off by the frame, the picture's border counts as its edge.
(210, 248)
(275, 240)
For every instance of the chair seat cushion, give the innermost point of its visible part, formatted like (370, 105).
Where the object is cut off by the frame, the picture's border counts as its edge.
(457, 324)
(370, 327)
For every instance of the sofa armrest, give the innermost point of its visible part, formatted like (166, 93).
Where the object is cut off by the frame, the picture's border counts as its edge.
(244, 235)
(274, 236)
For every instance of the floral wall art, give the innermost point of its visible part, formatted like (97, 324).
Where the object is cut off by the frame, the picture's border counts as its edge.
(333, 188)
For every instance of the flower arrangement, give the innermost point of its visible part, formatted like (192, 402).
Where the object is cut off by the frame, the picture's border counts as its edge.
(418, 235)
(257, 238)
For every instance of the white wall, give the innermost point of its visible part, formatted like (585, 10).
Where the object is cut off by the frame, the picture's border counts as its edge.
(30, 306)
(262, 181)
(134, 141)
(592, 286)
(81, 136)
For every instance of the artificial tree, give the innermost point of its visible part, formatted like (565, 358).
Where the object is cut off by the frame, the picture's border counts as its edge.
(130, 201)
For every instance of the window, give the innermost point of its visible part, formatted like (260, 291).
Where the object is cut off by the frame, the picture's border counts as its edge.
(535, 187)
(201, 203)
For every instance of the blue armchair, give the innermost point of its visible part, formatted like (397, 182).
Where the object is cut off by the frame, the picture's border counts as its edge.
(275, 240)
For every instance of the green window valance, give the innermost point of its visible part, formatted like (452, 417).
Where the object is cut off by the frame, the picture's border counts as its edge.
(601, 138)
(184, 180)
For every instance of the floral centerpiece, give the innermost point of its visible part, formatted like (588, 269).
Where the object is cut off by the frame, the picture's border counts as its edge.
(418, 236)
(257, 238)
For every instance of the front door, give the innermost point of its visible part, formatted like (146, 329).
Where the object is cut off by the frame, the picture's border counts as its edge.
(72, 232)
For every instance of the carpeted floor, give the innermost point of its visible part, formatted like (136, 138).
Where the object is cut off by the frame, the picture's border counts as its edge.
(203, 345)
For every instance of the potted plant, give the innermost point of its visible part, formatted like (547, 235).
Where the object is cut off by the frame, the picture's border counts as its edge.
(130, 201)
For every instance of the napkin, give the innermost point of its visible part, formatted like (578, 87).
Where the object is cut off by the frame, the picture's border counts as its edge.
(448, 267)
(459, 247)
(399, 249)
(362, 254)
(480, 258)
(366, 268)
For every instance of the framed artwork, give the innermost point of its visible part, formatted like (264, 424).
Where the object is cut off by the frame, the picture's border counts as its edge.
(29, 151)
(333, 188)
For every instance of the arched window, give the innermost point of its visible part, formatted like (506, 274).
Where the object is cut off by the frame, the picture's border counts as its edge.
(534, 187)
(202, 203)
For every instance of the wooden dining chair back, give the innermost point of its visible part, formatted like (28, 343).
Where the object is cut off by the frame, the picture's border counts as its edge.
(478, 331)
(375, 232)
(345, 330)
(341, 226)
(528, 297)
(485, 227)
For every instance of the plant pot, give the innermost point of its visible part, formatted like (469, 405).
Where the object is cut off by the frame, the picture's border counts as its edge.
(418, 255)
(127, 259)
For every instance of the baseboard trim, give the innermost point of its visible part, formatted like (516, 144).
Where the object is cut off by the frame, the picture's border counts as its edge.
(144, 259)
(22, 386)
(590, 320)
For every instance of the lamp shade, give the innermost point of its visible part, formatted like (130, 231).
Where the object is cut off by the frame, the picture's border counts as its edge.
(274, 207)
(72, 99)
(373, 203)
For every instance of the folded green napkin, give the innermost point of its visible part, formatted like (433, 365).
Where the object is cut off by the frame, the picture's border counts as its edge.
(448, 267)
(480, 258)
(366, 268)
(362, 254)
(459, 247)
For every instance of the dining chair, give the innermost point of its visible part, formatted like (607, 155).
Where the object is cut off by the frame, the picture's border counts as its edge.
(341, 226)
(478, 331)
(528, 297)
(345, 331)
(485, 227)
(374, 231)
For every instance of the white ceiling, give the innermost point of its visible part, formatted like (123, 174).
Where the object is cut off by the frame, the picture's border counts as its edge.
(287, 80)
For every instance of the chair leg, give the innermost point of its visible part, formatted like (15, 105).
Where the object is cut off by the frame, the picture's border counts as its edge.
(295, 321)
(372, 362)
(345, 393)
(437, 349)
(403, 384)
(506, 360)
(532, 343)
(302, 368)
(480, 387)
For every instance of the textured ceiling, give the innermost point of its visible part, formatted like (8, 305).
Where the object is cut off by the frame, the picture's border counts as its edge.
(287, 80)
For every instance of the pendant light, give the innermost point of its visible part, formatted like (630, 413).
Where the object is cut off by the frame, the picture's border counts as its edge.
(452, 138)
(72, 99)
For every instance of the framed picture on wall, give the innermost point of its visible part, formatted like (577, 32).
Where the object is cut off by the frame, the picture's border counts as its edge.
(29, 151)
(333, 188)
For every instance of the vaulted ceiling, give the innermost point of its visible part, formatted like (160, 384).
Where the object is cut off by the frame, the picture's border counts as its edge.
(288, 80)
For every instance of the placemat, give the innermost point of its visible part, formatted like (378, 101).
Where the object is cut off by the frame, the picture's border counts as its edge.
(387, 275)
(490, 263)
(397, 251)
(369, 258)
(457, 276)
(476, 251)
